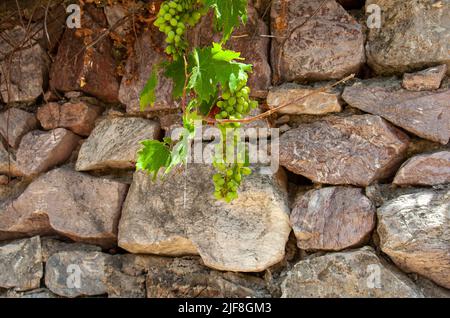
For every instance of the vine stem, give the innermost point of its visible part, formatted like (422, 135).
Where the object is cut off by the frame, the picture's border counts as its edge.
(276, 109)
(186, 78)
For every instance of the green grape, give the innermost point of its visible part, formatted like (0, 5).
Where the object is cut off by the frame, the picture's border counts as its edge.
(226, 95)
(179, 31)
(224, 114)
(232, 101)
(246, 171)
(171, 34)
(173, 22)
(177, 38)
(167, 16)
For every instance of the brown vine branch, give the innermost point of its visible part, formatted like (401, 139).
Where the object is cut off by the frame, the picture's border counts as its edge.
(276, 109)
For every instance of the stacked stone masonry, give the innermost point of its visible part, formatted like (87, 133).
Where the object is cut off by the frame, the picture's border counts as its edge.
(359, 207)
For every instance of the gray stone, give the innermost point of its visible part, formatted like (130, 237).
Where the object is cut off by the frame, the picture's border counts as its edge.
(425, 114)
(73, 204)
(425, 169)
(23, 71)
(414, 231)
(114, 143)
(40, 151)
(169, 218)
(332, 218)
(187, 278)
(21, 264)
(76, 273)
(52, 246)
(14, 124)
(313, 41)
(350, 274)
(413, 35)
(357, 150)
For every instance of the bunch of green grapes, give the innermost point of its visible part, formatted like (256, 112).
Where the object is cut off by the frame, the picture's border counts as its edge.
(234, 105)
(173, 18)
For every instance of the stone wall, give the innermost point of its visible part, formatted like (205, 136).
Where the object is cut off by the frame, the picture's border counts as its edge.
(360, 206)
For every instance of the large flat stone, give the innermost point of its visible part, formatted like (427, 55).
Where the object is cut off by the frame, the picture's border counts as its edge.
(247, 235)
(21, 264)
(40, 151)
(350, 274)
(313, 42)
(425, 114)
(332, 218)
(413, 35)
(425, 169)
(73, 204)
(357, 150)
(317, 104)
(114, 143)
(414, 231)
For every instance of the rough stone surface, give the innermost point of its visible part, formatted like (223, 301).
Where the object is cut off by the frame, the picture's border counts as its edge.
(62, 269)
(414, 231)
(379, 194)
(73, 204)
(39, 151)
(356, 150)
(8, 164)
(413, 35)
(350, 274)
(35, 293)
(187, 278)
(327, 45)
(147, 53)
(78, 117)
(425, 114)
(430, 289)
(52, 246)
(332, 218)
(428, 79)
(425, 169)
(14, 124)
(21, 264)
(114, 143)
(114, 14)
(248, 235)
(24, 71)
(317, 104)
(90, 70)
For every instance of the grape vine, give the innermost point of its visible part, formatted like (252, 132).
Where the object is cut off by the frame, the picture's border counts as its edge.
(214, 79)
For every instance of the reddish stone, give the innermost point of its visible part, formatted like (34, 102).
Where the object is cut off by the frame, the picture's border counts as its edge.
(92, 69)
(425, 169)
(428, 79)
(78, 117)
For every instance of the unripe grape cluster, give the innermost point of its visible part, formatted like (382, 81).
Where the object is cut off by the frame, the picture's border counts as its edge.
(233, 105)
(173, 18)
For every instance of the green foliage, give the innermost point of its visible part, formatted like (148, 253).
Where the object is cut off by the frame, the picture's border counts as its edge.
(229, 14)
(154, 156)
(214, 66)
(210, 76)
(148, 95)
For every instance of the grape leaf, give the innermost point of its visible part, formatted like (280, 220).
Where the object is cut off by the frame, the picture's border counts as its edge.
(176, 72)
(153, 156)
(213, 66)
(147, 96)
(228, 14)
